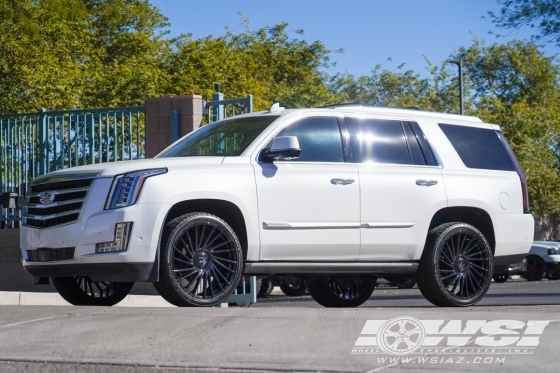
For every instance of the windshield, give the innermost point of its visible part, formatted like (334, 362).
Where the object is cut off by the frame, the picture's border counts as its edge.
(224, 138)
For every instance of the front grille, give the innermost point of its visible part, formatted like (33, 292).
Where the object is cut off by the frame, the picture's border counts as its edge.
(44, 254)
(52, 204)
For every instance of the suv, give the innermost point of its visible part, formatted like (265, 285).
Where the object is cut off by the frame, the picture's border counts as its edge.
(336, 196)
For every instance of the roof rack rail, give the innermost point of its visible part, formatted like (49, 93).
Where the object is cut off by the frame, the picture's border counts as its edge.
(332, 106)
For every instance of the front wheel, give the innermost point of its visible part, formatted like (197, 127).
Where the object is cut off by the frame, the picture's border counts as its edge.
(456, 266)
(201, 261)
(83, 291)
(536, 268)
(341, 291)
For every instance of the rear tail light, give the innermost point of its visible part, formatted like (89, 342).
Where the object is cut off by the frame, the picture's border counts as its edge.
(519, 170)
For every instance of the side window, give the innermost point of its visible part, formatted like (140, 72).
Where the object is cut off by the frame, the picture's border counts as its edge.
(478, 147)
(378, 140)
(319, 139)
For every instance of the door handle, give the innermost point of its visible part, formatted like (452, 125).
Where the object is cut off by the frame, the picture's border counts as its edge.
(426, 182)
(342, 181)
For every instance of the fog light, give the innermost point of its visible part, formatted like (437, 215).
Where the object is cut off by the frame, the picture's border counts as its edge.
(120, 243)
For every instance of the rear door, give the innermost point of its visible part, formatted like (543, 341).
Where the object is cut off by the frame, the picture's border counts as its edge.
(401, 186)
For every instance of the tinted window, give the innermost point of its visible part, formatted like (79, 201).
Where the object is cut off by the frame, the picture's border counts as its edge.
(424, 146)
(478, 147)
(225, 138)
(413, 146)
(319, 139)
(381, 141)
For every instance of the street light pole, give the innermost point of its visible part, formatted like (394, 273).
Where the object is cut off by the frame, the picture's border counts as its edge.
(459, 64)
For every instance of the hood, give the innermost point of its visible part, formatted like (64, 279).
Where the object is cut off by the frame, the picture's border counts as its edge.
(115, 168)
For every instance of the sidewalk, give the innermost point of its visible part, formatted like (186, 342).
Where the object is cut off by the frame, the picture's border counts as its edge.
(15, 298)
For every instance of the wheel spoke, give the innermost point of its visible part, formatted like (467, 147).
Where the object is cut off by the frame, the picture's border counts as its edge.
(190, 248)
(183, 261)
(182, 253)
(211, 249)
(208, 237)
(226, 268)
(220, 274)
(201, 236)
(224, 260)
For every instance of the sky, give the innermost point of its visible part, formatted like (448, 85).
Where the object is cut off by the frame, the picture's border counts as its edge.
(369, 31)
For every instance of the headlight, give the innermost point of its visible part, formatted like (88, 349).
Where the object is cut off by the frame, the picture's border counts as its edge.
(555, 251)
(126, 187)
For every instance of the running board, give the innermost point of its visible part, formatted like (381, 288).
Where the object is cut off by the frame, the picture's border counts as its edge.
(314, 268)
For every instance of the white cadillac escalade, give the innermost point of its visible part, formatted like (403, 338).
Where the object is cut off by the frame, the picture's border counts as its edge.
(336, 196)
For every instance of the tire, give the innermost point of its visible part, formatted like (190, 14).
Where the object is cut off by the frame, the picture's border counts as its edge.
(82, 291)
(294, 289)
(501, 277)
(201, 261)
(402, 282)
(553, 275)
(341, 291)
(265, 288)
(456, 266)
(536, 268)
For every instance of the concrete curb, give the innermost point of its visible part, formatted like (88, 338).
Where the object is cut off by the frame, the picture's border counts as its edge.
(14, 298)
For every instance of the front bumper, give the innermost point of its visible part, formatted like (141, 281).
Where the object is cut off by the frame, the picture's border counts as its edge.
(511, 269)
(96, 225)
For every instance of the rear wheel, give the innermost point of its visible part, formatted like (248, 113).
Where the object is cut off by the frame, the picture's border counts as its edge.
(456, 266)
(83, 291)
(501, 277)
(201, 261)
(536, 268)
(341, 291)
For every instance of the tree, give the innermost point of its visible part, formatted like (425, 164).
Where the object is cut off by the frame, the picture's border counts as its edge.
(62, 54)
(515, 86)
(541, 14)
(263, 62)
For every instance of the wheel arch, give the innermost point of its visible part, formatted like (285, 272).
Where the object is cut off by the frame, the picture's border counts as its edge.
(476, 217)
(226, 210)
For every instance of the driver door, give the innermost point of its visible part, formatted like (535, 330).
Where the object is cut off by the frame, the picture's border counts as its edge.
(309, 207)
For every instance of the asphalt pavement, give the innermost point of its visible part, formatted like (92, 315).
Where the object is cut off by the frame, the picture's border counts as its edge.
(516, 328)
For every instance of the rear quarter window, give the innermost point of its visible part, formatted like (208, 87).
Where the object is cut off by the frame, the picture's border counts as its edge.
(478, 147)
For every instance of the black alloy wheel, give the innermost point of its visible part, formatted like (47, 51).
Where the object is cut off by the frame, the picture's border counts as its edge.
(201, 262)
(341, 291)
(456, 266)
(536, 268)
(503, 277)
(83, 291)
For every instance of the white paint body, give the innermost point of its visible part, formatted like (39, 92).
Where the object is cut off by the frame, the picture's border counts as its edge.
(292, 211)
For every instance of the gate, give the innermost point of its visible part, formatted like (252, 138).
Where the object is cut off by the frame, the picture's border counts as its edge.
(32, 144)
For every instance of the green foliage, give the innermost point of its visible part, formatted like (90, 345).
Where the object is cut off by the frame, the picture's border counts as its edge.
(515, 86)
(61, 54)
(541, 14)
(264, 62)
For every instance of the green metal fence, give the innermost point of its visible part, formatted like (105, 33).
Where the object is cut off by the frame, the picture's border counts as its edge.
(219, 109)
(32, 144)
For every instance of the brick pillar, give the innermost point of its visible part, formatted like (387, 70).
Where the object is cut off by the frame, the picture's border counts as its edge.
(158, 119)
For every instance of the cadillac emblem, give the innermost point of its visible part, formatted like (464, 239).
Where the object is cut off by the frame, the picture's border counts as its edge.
(47, 197)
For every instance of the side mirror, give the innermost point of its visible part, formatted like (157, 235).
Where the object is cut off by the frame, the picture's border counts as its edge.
(286, 147)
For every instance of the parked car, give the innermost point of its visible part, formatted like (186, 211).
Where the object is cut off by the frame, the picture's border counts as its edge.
(504, 272)
(543, 260)
(336, 196)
